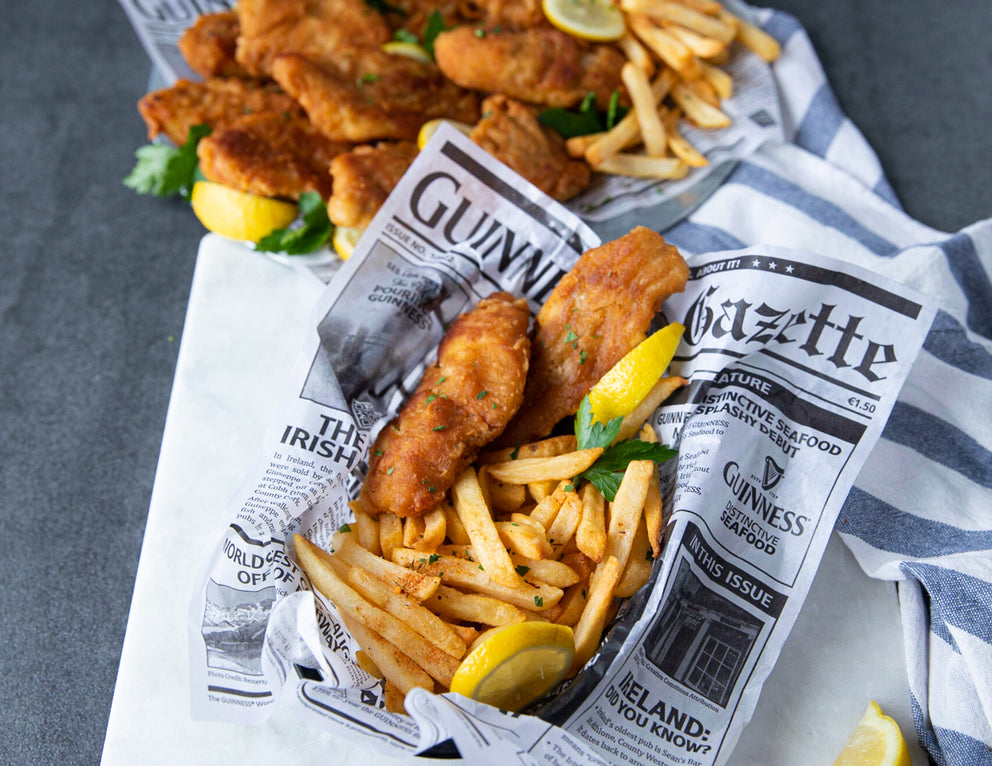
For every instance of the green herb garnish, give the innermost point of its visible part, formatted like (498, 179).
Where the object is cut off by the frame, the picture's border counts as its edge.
(311, 235)
(165, 171)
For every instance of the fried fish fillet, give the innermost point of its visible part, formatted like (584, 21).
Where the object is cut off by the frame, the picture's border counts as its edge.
(363, 178)
(541, 65)
(511, 14)
(463, 401)
(270, 28)
(218, 103)
(209, 44)
(273, 155)
(366, 94)
(599, 311)
(510, 131)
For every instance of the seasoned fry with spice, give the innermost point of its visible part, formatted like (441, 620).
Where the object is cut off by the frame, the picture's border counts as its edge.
(462, 402)
(597, 313)
(541, 65)
(366, 94)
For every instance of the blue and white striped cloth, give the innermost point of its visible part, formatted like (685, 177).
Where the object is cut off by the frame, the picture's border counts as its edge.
(921, 511)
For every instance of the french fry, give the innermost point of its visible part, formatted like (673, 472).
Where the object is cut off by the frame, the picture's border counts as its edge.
(425, 533)
(524, 539)
(627, 132)
(653, 516)
(401, 671)
(548, 571)
(393, 698)
(439, 665)
(685, 151)
(704, 90)
(573, 603)
(406, 609)
(752, 37)
(452, 604)
(701, 46)
(467, 633)
(364, 660)
(638, 569)
(716, 27)
(626, 510)
(368, 527)
(505, 498)
(539, 490)
(661, 390)
(589, 628)
(636, 53)
(576, 146)
(711, 7)
(453, 525)
(567, 520)
(645, 108)
(557, 467)
(553, 445)
(417, 584)
(640, 166)
(579, 563)
(390, 533)
(722, 82)
(697, 110)
(547, 509)
(590, 536)
(469, 575)
(478, 522)
(669, 48)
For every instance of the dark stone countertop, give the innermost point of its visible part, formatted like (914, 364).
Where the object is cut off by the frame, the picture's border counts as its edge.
(95, 281)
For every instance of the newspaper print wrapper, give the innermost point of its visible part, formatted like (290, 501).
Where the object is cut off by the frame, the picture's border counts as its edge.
(794, 363)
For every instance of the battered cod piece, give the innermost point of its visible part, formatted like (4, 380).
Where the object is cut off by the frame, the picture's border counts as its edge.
(363, 178)
(273, 155)
(209, 45)
(599, 311)
(309, 27)
(512, 14)
(541, 65)
(510, 131)
(218, 102)
(366, 94)
(463, 401)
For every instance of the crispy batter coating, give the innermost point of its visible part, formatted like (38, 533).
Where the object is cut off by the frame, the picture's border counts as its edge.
(273, 155)
(510, 131)
(366, 94)
(510, 14)
(217, 102)
(364, 177)
(463, 401)
(599, 311)
(209, 45)
(309, 27)
(541, 65)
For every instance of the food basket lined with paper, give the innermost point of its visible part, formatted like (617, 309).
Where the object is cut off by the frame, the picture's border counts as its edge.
(768, 445)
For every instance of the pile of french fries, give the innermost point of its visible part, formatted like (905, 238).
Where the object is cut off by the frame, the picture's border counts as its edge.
(514, 539)
(674, 49)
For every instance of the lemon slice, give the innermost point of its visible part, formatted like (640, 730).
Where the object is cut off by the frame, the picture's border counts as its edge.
(876, 741)
(345, 239)
(237, 214)
(621, 389)
(589, 19)
(515, 665)
(410, 50)
(430, 127)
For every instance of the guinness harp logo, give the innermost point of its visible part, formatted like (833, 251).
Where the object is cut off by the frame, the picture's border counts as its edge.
(772, 474)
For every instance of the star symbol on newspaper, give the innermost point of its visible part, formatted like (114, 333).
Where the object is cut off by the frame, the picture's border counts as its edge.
(789, 269)
(755, 263)
(773, 265)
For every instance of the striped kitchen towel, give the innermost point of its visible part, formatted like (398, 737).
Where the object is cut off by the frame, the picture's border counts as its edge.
(921, 511)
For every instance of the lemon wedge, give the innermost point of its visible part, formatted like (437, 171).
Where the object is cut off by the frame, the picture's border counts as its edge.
(875, 741)
(345, 239)
(410, 50)
(516, 664)
(589, 19)
(237, 214)
(430, 127)
(623, 387)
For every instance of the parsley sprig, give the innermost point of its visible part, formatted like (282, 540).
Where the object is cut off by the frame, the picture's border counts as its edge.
(315, 230)
(585, 119)
(163, 170)
(607, 472)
